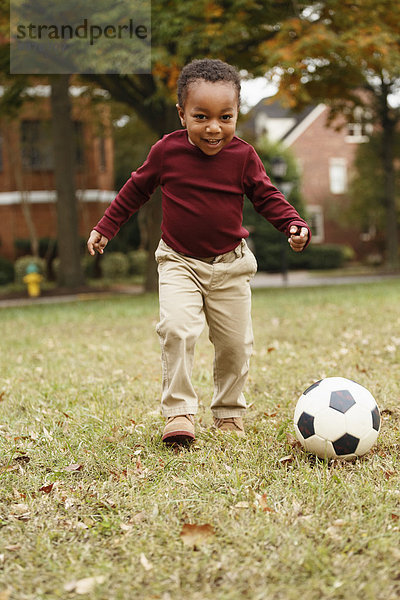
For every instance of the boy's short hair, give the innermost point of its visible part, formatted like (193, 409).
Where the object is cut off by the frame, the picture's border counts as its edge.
(209, 70)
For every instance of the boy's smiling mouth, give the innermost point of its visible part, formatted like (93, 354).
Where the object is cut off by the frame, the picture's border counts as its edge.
(213, 142)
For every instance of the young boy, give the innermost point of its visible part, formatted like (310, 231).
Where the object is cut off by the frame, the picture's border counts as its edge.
(204, 263)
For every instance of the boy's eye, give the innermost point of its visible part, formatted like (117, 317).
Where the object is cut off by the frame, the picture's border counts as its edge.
(200, 116)
(226, 117)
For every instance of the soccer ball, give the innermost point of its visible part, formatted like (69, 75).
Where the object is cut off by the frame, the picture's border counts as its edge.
(337, 418)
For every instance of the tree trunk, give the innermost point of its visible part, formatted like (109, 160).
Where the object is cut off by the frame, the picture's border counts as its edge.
(391, 233)
(70, 272)
(389, 182)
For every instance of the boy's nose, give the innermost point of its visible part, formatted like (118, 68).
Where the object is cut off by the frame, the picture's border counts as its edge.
(213, 127)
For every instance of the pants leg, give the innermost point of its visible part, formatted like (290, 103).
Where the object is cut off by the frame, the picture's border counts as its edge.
(181, 323)
(228, 313)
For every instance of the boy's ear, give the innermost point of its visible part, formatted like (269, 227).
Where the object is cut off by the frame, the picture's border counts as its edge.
(181, 115)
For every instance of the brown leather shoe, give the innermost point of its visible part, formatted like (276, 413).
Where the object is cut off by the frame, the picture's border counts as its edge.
(230, 425)
(179, 430)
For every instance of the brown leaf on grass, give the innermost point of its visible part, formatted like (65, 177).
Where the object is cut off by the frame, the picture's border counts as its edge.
(242, 504)
(270, 415)
(146, 564)
(2, 396)
(13, 547)
(20, 512)
(83, 586)
(193, 535)
(394, 517)
(293, 441)
(8, 468)
(46, 489)
(271, 349)
(263, 503)
(74, 467)
(286, 459)
(5, 594)
(22, 459)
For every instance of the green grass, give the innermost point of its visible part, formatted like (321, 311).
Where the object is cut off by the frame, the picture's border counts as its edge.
(79, 386)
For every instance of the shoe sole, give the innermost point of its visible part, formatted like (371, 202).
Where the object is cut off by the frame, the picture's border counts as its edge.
(181, 438)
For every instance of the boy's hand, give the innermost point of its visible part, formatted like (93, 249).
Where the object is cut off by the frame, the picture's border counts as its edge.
(97, 242)
(298, 238)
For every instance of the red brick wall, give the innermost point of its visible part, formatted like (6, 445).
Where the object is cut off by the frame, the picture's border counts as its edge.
(314, 148)
(96, 124)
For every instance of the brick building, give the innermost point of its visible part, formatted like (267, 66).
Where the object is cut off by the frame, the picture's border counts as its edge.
(27, 192)
(325, 156)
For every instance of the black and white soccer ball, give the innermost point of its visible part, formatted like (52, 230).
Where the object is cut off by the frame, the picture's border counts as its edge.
(337, 418)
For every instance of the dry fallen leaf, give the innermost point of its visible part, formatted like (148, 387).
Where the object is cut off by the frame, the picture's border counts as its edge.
(74, 467)
(83, 586)
(193, 535)
(46, 489)
(293, 441)
(5, 594)
(146, 564)
(242, 505)
(8, 468)
(263, 502)
(286, 459)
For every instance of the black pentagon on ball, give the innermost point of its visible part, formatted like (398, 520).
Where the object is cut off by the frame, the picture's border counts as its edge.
(314, 385)
(306, 425)
(376, 418)
(341, 400)
(346, 444)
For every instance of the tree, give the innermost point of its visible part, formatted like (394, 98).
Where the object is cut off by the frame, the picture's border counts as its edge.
(346, 53)
(367, 185)
(70, 272)
(231, 30)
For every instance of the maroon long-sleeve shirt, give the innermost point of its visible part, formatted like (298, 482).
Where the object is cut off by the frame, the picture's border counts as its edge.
(202, 196)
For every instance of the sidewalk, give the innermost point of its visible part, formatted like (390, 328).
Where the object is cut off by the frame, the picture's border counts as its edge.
(312, 279)
(261, 280)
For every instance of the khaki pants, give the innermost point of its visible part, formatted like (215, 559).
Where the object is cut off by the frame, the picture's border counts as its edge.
(193, 291)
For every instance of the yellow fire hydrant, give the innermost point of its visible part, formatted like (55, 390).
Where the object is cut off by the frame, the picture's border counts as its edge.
(33, 279)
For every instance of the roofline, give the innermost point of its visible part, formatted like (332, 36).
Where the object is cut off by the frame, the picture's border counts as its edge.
(304, 124)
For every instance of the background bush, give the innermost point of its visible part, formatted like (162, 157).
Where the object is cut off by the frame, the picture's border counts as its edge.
(21, 265)
(137, 262)
(6, 271)
(115, 265)
(269, 256)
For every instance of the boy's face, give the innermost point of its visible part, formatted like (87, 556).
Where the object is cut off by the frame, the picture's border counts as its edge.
(210, 114)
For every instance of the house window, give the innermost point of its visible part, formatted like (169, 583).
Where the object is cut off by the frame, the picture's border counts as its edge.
(315, 218)
(359, 130)
(338, 175)
(37, 145)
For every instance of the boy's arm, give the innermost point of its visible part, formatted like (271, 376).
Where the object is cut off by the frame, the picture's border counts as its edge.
(272, 204)
(136, 191)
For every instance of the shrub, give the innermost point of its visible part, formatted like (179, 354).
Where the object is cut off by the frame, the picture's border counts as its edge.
(21, 265)
(6, 271)
(115, 265)
(269, 256)
(137, 261)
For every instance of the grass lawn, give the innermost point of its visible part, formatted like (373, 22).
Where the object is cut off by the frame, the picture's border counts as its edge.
(92, 505)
